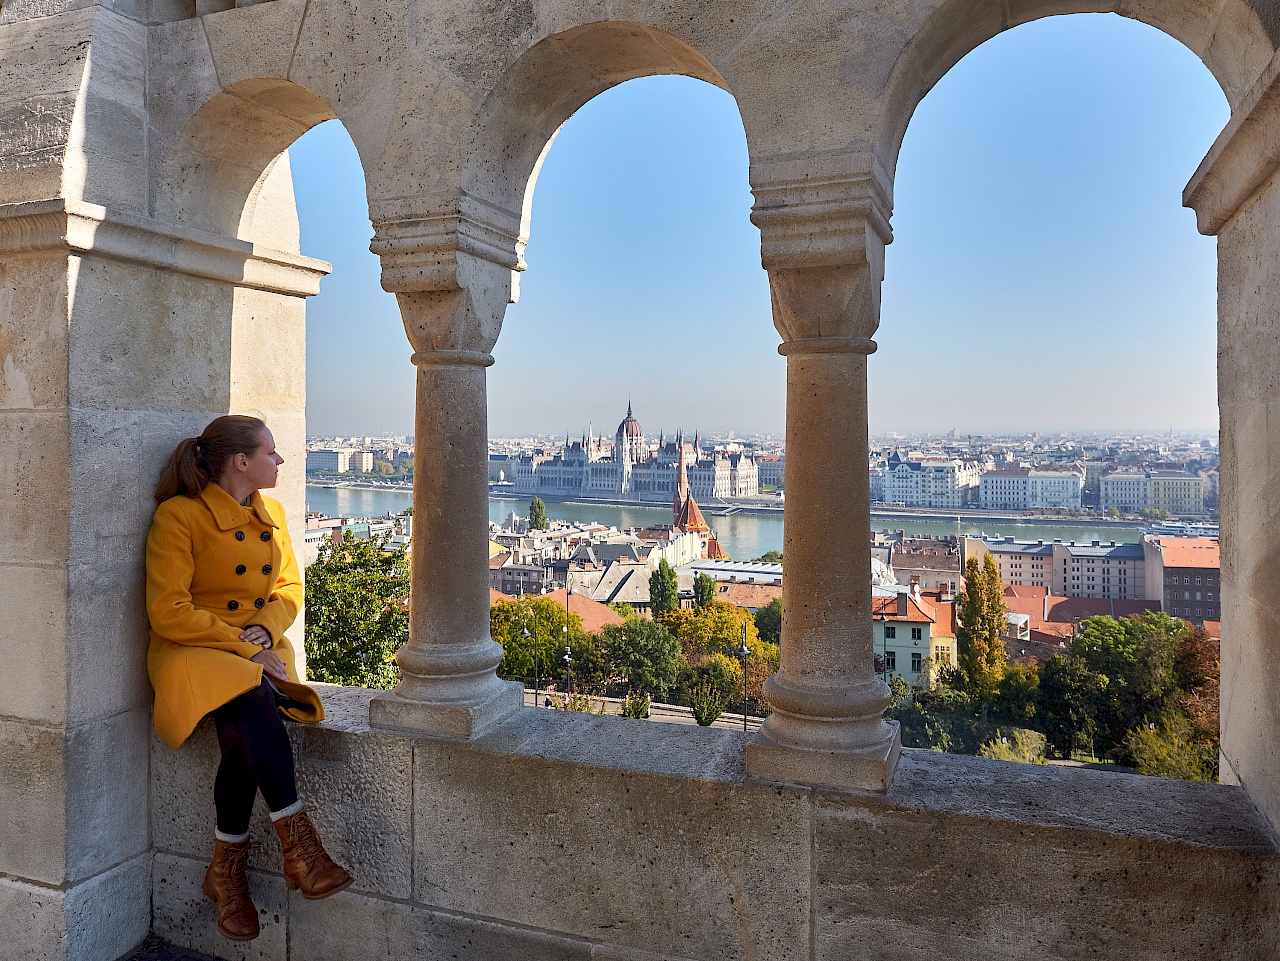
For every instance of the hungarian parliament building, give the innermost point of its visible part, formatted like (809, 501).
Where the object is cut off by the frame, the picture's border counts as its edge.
(629, 470)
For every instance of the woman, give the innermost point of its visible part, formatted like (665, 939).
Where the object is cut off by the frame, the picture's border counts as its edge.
(222, 588)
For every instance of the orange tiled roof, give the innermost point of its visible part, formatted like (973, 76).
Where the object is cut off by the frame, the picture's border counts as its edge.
(944, 613)
(497, 596)
(887, 607)
(747, 595)
(1025, 590)
(1189, 551)
(1213, 629)
(497, 560)
(715, 552)
(595, 616)
(690, 517)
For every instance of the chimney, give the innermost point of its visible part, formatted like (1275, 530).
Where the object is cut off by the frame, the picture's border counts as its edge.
(902, 605)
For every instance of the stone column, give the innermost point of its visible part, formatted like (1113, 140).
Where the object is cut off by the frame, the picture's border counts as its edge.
(826, 727)
(449, 686)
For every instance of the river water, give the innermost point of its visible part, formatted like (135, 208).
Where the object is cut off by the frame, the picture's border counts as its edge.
(743, 536)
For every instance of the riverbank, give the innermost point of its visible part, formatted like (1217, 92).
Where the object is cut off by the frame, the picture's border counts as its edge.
(720, 508)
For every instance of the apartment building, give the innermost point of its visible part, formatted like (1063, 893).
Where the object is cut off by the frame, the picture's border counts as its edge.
(1023, 488)
(931, 481)
(1186, 573)
(1070, 569)
(1178, 493)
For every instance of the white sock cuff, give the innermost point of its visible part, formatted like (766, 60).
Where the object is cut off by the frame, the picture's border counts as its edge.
(231, 838)
(290, 811)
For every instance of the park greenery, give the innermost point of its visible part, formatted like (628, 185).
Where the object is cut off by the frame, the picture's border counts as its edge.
(1141, 692)
(690, 656)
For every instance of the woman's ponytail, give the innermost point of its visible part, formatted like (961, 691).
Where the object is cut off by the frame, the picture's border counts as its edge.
(197, 461)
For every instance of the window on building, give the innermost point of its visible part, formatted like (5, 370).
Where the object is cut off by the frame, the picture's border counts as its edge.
(915, 662)
(1197, 581)
(890, 660)
(916, 634)
(890, 632)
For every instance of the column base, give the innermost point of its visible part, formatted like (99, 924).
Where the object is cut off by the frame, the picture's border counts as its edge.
(461, 720)
(866, 768)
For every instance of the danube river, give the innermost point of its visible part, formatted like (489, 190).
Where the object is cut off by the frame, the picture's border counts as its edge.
(743, 536)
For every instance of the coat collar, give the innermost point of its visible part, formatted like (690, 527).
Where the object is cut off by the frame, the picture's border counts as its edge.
(228, 514)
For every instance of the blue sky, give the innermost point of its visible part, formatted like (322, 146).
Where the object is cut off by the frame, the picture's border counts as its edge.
(1044, 274)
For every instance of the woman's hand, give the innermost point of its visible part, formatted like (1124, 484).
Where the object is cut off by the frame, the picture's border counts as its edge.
(271, 664)
(256, 634)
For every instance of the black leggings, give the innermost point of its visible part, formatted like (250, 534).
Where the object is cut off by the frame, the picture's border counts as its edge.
(256, 754)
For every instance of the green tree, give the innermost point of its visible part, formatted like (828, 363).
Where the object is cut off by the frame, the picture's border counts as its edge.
(769, 622)
(357, 612)
(537, 515)
(704, 589)
(643, 655)
(1017, 693)
(664, 592)
(770, 557)
(981, 622)
(1172, 749)
(899, 692)
(1138, 658)
(1068, 692)
(1016, 744)
(542, 652)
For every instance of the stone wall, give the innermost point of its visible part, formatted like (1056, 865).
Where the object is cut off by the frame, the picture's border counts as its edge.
(578, 837)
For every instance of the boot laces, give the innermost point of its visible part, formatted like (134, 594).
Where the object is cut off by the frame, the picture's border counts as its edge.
(235, 879)
(303, 833)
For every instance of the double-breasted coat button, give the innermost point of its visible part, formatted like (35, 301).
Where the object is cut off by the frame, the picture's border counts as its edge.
(266, 568)
(233, 605)
(259, 603)
(240, 568)
(266, 535)
(239, 535)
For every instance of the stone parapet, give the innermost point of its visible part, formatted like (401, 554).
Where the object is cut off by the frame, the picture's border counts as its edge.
(561, 835)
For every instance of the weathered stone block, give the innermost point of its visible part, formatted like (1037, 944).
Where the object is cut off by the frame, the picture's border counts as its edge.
(144, 339)
(596, 826)
(31, 634)
(33, 796)
(33, 487)
(989, 859)
(98, 920)
(357, 928)
(106, 806)
(184, 916)
(33, 333)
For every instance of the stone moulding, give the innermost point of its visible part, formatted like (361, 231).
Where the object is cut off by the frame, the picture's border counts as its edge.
(419, 251)
(48, 225)
(1242, 159)
(820, 222)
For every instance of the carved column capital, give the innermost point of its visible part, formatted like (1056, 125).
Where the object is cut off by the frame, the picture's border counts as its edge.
(815, 220)
(836, 305)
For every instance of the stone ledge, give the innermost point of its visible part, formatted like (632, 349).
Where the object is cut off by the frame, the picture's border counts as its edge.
(49, 225)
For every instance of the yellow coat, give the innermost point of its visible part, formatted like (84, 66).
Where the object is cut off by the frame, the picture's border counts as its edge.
(213, 568)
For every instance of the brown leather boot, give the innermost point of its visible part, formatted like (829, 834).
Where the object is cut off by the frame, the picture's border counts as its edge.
(226, 883)
(306, 865)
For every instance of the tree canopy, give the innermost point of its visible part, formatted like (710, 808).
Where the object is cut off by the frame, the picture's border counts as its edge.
(537, 515)
(981, 622)
(664, 591)
(357, 615)
(704, 589)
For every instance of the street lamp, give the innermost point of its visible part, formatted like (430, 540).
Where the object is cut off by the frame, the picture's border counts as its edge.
(568, 657)
(744, 652)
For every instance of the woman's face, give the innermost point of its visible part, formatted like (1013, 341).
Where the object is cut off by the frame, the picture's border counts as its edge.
(263, 465)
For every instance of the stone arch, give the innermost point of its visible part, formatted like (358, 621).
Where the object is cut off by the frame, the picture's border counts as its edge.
(518, 121)
(1228, 36)
(227, 171)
